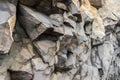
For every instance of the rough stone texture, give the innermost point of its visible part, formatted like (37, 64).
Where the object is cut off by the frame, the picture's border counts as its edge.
(60, 40)
(7, 23)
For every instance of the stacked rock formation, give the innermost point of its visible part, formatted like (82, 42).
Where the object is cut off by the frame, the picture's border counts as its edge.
(59, 40)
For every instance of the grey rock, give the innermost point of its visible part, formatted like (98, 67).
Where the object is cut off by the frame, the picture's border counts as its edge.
(25, 67)
(74, 6)
(60, 40)
(22, 53)
(118, 36)
(96, 3)
(69, 22)
(61, 6)
(106, 54)
(42, 75)
(46, 49)
(4, 76)
(56, 19)
(19, 75)
(60, 76)
(15, 2)
(71, 60)
(35, 23)
(29, 2)
(38, 64)
(7, 23)
(80, 33)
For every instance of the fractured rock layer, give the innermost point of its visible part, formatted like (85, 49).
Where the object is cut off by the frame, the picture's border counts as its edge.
(59, 40)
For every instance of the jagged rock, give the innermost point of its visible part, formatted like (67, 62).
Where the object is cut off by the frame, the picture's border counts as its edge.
(92, 73)
(61, 6)
(38, 64)
(80, 33)
(62, 58)
(15, 2)
(106, 54)
(98, 31)
(29, 2)
(71, 60)
(19, 33)
(60, 40)
(96, 3)
(69, 22)
(77, 77)
(19, 75)
(35, 23)
(114, 68)
(59, 76)
(64, 30)
(47, 4)
(51, 6)
(7, 22)
(95, 58)
(73, 73)
(112, 12)
(75, 6)
(118, 36)
(42, 75)
(46, 50)
(96, 42)
(16, 66)
(57, 17)
(4, 76)
(22, 52)
(4, 65)
(65, 60)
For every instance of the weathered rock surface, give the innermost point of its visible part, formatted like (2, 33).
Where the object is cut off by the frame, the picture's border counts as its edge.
(7, 23)
(59, 40)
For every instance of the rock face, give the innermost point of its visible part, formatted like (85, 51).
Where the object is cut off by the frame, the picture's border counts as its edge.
(7, 23)
(59, 40)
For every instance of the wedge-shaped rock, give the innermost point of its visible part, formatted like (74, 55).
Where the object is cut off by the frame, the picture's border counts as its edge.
(38, 64)
(74, 6)
(69, 22)
(46, 49)
(98, 31)
(42, 75)
(35, 23)
(67, 31)
(7, 22)
(96, 3)
(58, 18)
(21, 52)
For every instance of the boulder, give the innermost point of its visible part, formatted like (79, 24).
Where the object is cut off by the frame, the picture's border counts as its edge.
(35, 23)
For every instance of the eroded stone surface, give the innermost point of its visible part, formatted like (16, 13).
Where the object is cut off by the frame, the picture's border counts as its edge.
(7, 23)
(60, 40)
